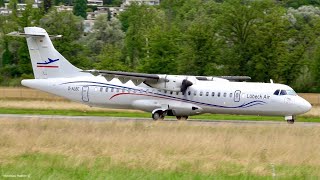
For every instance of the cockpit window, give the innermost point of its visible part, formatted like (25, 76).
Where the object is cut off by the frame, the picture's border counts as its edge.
(276, 92)
(283, 92)
(291, 92)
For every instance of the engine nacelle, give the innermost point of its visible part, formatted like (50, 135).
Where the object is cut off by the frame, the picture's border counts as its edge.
(172, 83)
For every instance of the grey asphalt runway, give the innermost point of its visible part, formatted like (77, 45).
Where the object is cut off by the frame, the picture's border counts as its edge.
(128, 119)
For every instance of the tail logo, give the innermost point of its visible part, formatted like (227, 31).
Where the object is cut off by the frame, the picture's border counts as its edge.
(47, 64)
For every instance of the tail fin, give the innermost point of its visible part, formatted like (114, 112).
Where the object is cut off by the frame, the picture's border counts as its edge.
(46, 61)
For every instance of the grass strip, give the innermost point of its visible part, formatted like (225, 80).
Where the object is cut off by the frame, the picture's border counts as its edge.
(148, 115)
(49, 166)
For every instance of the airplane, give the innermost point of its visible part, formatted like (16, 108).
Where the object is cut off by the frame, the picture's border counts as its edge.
(160, 94)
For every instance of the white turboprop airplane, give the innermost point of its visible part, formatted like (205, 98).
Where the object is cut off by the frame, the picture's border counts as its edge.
(159, 94)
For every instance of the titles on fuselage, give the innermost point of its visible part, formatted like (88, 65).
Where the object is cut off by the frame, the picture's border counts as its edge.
(258, 96)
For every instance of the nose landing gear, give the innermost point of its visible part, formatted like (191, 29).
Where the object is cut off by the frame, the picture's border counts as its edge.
(290, 119)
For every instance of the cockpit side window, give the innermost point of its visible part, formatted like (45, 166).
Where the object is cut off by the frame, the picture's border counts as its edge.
(283, 92)
(291, 92)
(276, 92)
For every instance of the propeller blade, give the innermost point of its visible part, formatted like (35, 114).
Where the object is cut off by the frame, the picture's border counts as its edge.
(185, 84)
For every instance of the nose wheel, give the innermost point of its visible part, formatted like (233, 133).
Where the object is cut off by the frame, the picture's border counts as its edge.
(290, 119)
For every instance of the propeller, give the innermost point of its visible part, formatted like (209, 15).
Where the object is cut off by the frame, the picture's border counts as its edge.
(184, 85)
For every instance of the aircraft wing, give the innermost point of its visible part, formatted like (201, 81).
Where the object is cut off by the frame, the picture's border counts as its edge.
(177, 83)
(230, 78)
(124, 77)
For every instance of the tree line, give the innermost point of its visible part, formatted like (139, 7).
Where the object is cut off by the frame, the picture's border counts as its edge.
(266, 40)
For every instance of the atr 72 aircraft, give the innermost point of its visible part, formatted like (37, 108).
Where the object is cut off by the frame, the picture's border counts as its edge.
(160, 94)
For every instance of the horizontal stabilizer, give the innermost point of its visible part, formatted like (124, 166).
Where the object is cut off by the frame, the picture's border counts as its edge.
(18, 34)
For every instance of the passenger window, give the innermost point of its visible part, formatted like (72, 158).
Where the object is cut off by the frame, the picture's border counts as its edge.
(101, 89)
(201, 93)
(111, 89)
(106, 89)
(212, 94)
(218, 94)
(276, 92)
(118, 90)
(230, 95)
(177, 93)
(171, 92)
(189, 93)
(195, 93)
(224, 94)
(165, 91)
(207, 93)
(283, 92)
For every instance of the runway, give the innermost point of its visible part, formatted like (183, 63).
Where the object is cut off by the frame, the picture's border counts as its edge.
(168, 120)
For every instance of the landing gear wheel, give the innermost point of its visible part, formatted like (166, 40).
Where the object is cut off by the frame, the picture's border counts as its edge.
(158, 115)
(178, 117)
(290, 121)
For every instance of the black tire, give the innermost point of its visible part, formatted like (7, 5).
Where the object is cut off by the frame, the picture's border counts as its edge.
(156, 116)
(290, 121)
(178, 117)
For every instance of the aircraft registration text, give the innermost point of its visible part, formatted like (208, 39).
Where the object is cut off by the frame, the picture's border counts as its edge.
(73, 88)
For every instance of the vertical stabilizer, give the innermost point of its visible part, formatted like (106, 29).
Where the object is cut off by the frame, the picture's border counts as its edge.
(46, 61)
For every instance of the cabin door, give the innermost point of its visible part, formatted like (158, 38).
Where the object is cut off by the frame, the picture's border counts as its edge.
(237, 95)
(85, 93)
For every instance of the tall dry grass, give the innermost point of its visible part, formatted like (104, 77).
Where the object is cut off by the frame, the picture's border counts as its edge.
(166, 146)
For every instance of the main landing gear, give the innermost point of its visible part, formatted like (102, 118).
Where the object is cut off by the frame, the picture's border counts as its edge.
(160, 114)
(290, 119)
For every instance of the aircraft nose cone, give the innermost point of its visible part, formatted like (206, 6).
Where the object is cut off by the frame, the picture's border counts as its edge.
(305, 106)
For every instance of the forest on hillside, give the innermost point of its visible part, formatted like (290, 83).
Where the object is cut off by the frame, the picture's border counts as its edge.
(264, 39)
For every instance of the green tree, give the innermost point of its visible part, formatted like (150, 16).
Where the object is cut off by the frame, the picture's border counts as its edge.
(47, 5)
(80, 8)
(110, 59)
(140, 19)
(104, 32)
(1, 3)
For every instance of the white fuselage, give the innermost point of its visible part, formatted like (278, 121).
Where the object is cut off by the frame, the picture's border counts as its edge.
(221, 97)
